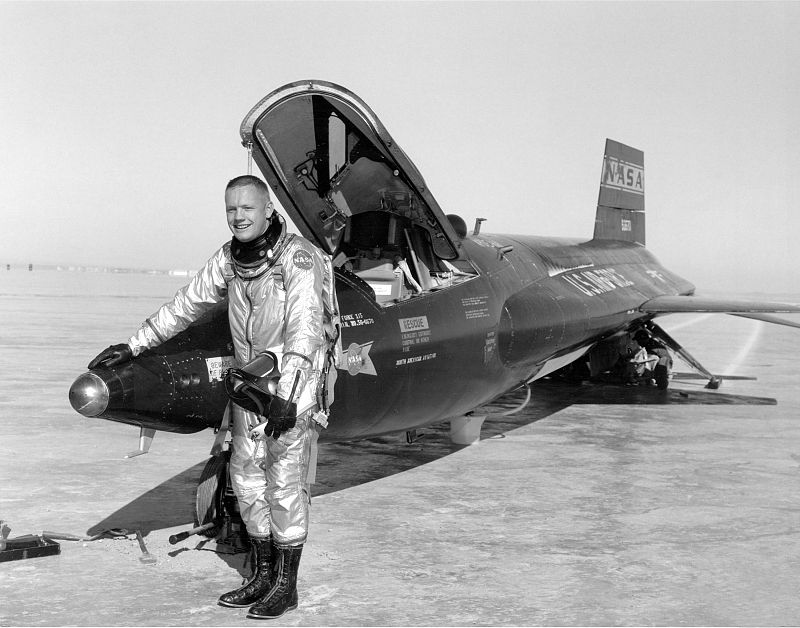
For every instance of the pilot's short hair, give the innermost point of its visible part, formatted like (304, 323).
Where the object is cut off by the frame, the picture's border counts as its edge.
(248, 179)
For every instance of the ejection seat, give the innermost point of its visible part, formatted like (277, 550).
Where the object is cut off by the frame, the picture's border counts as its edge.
(373, 245)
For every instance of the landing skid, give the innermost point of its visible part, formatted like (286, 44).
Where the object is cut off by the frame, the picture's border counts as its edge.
(145, 440)
(677, 375)
(714, 381)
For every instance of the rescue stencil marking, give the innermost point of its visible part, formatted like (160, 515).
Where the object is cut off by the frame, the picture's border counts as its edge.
(622, 175)
(413, 324)
(218, 366)
(358, 361)
(303, 260)
(415, 331)
(414, 338)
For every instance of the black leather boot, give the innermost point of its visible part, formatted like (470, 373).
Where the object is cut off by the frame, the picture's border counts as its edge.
(260, 582)
(282, 597)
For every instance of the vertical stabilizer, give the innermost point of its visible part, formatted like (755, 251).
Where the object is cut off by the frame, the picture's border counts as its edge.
(620, 206)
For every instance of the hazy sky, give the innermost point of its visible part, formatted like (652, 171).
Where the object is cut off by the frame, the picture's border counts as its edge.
(119, 122)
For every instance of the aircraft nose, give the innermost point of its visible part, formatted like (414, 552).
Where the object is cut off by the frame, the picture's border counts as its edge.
(89, 395)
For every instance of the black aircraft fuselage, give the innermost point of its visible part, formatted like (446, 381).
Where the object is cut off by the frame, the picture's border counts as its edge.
(435, 322)
(427, 358)
(444, 354)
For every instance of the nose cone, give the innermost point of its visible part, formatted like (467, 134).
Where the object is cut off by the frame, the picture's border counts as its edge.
(89, 395)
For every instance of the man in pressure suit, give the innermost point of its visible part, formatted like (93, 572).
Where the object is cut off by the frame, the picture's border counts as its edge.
(281, 300)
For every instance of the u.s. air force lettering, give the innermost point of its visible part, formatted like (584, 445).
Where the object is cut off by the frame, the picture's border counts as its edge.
(598, 281)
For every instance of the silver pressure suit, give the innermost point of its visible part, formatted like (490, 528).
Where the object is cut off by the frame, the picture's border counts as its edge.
(277, 306)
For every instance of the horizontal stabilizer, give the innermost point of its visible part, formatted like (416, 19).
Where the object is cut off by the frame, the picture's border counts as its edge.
(758, 310)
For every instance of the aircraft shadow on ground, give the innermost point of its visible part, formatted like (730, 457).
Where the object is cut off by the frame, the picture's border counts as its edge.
(170, 504)
(344, 465)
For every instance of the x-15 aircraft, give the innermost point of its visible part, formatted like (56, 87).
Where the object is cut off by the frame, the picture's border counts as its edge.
(435, 321)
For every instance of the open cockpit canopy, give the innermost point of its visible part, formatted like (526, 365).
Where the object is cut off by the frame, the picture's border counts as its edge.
(339, 174)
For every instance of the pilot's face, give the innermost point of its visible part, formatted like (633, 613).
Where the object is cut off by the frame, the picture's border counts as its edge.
(247, 210)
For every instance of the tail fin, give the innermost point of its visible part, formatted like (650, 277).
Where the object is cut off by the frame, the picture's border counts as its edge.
(620, 207)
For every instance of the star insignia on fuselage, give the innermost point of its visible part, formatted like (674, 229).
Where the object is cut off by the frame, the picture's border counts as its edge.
(357, 360)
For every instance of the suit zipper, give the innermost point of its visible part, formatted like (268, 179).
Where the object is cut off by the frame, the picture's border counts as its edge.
(249, 321)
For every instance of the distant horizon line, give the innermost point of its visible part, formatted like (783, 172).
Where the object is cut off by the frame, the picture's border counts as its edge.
(97, 268)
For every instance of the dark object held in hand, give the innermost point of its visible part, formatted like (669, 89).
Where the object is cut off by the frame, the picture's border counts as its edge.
(282, 417)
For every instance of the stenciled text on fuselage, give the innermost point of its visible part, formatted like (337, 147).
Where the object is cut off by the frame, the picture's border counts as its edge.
(598, 281)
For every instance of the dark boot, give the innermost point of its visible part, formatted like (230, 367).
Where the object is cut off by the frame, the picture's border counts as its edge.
(282, 596)
(260, 582)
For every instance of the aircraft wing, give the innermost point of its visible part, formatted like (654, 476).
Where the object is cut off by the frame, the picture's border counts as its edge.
(768, 318)
(746, 308)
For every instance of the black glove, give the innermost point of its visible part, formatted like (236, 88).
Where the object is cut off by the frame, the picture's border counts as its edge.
(282, 417)
(114, 355)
